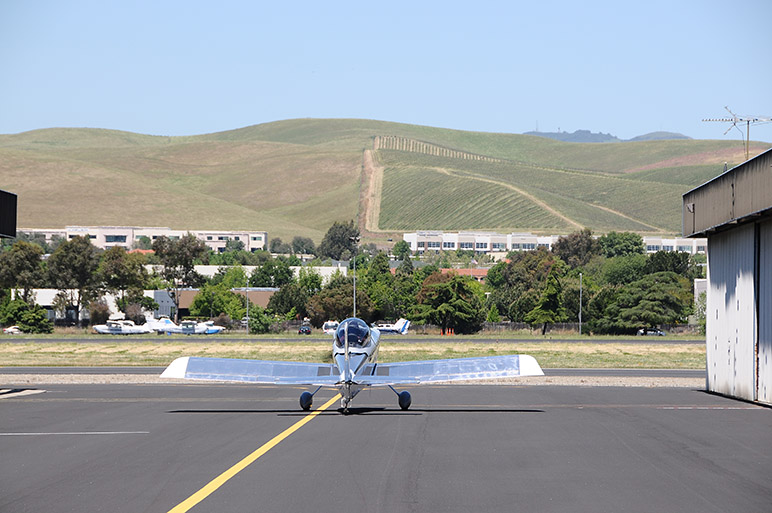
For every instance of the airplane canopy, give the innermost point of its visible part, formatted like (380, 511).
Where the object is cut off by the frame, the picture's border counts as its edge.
(358, 333)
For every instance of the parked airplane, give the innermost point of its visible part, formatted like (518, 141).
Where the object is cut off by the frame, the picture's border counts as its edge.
(355, 367)
(399, 327)
(166, 325)
(122, 327)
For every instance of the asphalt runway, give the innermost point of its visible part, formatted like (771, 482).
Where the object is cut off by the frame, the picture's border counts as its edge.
(151, 448)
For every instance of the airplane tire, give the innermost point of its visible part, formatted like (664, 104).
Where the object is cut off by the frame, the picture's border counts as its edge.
(405, 400)
(306, 399)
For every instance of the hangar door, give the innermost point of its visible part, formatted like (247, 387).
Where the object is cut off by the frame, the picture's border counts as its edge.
(764, 354)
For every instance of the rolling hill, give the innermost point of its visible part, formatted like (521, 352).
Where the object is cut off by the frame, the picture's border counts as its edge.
(296, 177)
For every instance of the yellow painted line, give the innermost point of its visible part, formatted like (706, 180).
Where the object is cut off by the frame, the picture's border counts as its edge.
(220, 480)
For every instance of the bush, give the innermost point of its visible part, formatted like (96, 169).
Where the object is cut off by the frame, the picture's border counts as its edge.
(98, 312)
(35, 320)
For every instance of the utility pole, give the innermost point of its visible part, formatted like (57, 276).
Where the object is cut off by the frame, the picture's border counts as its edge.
(356, 251)
(580, 304)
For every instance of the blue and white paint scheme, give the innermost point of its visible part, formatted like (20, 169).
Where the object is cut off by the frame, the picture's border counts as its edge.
(400, 327)
(355, 367)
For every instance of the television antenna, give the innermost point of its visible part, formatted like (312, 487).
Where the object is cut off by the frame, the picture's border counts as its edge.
(735, 119)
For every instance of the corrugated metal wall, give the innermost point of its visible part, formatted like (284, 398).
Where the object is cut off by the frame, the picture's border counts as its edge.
(731, 313)
(765, 314)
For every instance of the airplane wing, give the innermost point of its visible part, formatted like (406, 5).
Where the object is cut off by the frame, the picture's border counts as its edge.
(253, 371)
(456, 369)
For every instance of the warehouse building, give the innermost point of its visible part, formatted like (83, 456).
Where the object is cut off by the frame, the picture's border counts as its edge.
(734, 212)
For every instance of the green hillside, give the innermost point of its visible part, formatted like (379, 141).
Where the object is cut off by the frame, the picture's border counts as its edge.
(296, 177)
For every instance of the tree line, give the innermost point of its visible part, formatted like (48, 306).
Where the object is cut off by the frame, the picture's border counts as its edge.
(622, 288)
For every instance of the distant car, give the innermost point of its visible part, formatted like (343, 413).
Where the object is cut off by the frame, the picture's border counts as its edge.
(653, 332)
(12, 330)
(304, 330)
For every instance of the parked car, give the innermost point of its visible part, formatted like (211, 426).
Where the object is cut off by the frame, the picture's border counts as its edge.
(12, 330)
(304, 330)
(651, 332)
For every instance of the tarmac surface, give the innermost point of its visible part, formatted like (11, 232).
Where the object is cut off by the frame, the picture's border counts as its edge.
(236, 448)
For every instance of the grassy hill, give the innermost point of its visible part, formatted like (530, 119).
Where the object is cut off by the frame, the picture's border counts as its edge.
(296, 177)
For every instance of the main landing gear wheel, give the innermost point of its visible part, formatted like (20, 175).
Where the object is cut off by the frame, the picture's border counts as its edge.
(404, 399)
(306, 400)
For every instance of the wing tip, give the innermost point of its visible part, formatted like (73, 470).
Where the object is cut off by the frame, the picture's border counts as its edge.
(529, 366)
(176, 369)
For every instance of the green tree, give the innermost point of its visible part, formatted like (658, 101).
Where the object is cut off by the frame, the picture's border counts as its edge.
(303, 245)
(259, 320)
(576, 249)
(451, 302)
(550, 308)
(401, 250)
(624, 269)
(21, 267)
(336, 301)
(72, 269)
(621, 243)
(232, 245)
(273, 273)
(178, 257)
(337, 242)
(214, 300)
(120, 271)
(673, 261)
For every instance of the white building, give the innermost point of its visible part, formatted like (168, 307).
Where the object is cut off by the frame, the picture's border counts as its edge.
(128, 236)
(490, 242)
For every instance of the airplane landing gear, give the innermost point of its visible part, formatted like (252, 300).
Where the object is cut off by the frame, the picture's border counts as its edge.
(307, 399)
(404, 398)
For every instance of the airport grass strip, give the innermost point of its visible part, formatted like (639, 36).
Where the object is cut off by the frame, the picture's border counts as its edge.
(548, 354)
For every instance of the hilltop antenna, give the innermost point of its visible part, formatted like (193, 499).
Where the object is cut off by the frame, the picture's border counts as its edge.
(741, 119)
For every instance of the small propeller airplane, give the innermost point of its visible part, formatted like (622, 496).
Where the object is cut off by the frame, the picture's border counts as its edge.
(355, 367)
(400, 327)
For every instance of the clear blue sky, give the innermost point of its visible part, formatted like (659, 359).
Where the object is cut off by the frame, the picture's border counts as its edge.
(192, 67)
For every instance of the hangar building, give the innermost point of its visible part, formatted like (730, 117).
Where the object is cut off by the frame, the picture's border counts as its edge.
(734, 211)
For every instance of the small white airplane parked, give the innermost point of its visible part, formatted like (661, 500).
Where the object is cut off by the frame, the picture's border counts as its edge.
(166, 325)
(122, 327)
(355, 367)
(399, 327)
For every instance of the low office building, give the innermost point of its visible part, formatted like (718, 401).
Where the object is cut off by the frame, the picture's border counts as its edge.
(128, 237)
(490, 242)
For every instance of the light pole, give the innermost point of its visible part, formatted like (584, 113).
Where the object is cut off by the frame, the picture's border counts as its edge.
(246, 294)
(356, 250)
(580, 304)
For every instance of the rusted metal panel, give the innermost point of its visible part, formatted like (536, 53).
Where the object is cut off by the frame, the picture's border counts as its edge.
(739, 195)
(731, 313)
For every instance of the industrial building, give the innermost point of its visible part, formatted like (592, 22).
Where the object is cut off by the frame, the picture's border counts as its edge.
(734, 212)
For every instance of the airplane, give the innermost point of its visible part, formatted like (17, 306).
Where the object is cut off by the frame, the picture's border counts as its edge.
(122, 327)
(400, 327)
(355, 353)
(166, 325)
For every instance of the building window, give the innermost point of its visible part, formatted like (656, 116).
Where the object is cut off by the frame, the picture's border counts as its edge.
(448, 245)
(236, 237)
(686, 249)
(222, 237)
(421, 245)
(516, 245)
(499, 246)
(653, 247)
(208, 237)
(529, 245)
(433, 245)
(115, 238)
(700, 249)
(466, 245)
(667, 248)
(481, 245)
